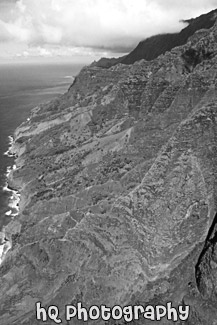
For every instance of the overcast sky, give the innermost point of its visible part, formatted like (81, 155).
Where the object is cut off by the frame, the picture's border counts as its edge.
(82, 29)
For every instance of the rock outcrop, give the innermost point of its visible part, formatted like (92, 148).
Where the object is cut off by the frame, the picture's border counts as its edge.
(118, 191)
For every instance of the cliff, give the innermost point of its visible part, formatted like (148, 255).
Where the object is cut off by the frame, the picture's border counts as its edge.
(150, 48)
(118, 191)
(154, 46)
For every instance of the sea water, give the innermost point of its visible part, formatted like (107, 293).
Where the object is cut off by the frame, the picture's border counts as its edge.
(22, 87)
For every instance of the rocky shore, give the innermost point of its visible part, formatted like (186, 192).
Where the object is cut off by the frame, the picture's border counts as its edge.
(118, 191)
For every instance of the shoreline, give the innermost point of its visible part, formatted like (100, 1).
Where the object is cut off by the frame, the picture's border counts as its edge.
(8, 152)
(14, 199)
(13, 202)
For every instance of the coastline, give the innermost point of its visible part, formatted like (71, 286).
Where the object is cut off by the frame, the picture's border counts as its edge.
(13, 202)
(11, 189)
(15, 196)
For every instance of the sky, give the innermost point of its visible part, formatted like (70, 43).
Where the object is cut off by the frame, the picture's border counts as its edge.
(83, 30)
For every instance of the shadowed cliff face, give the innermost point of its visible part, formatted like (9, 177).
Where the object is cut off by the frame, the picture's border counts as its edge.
(118, 191)
(152, 47)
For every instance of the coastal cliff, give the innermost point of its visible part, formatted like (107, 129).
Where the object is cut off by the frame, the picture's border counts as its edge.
(118, 191)
(150, 48)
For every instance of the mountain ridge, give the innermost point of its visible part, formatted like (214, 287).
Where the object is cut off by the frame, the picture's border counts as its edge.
(118, 191)
(156, 45)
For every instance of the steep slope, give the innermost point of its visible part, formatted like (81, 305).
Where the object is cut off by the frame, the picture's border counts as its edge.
(152, 47)
(118, 191)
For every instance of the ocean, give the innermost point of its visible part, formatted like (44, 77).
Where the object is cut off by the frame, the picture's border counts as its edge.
(22, 87)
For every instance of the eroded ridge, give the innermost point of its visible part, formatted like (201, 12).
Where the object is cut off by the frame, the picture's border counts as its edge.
(118, 190)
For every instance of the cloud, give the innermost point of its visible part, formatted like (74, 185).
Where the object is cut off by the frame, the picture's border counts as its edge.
(107, 24)
(4, 33)
(59, 51)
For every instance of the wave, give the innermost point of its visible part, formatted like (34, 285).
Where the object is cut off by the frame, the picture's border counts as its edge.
(13, 204)
(14, 198)
(8, 153)
(68, 77)
(14, 201)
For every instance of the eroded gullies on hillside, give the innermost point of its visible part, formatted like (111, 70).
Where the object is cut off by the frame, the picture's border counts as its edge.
(118, 189)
